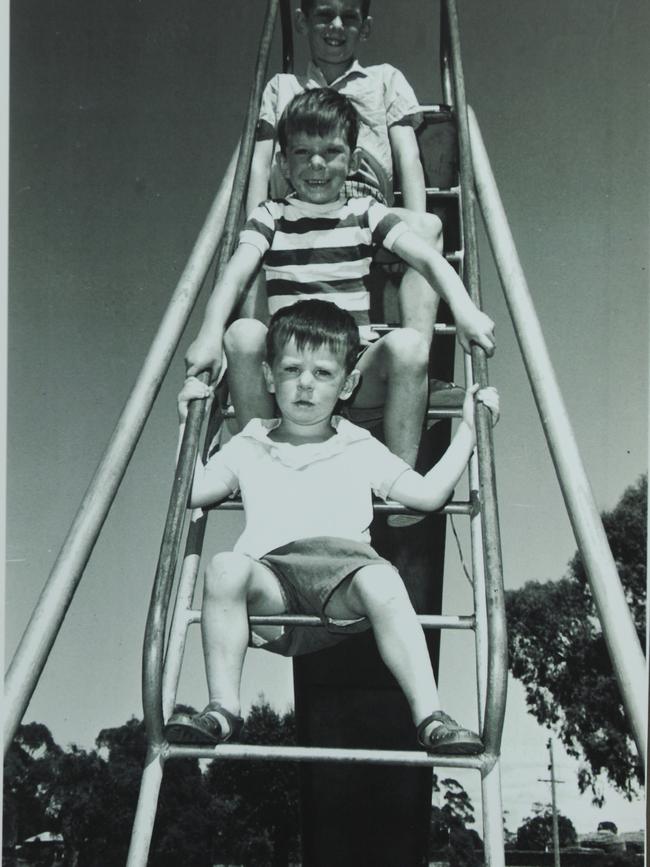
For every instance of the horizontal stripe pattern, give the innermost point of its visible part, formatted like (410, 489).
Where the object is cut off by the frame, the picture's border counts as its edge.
(351, 301)
(320, 250)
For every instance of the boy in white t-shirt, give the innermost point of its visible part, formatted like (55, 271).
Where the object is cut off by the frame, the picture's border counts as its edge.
(306, 479)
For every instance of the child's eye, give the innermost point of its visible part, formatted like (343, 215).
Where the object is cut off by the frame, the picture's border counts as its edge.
(321, 373)
(291, 368)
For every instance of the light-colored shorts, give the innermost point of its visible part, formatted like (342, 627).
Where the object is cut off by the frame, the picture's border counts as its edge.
(309, 571)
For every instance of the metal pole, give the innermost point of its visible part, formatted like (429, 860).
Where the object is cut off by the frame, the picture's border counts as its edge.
(146, 809)
(497, 657)
(56, 596)
(618, 627)
(556, 832)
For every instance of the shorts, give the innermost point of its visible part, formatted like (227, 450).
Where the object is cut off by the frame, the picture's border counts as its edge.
(309, 571)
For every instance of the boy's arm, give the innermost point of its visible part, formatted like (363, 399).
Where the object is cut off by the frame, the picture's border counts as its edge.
(430, 492)
(258, 182)
(472, 325)
(406, 158)
(207, 488)
(205, 352)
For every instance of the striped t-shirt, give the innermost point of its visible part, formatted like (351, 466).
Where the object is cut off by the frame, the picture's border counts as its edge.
(312, 251)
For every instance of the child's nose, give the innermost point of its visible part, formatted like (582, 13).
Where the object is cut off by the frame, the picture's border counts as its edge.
(337, 22)
(305, 380)
(317, 161)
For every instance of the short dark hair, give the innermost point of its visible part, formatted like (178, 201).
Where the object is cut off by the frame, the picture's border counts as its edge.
(306, 6)
(320, 111)
(313, 323)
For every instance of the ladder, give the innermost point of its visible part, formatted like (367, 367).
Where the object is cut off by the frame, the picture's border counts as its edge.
(625, 651)
(165, 642)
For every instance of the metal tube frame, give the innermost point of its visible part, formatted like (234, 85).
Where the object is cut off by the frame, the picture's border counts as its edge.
(489, 603)
(618, 627)
(154, 641)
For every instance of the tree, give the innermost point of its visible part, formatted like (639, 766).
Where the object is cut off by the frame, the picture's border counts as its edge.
(536, 831)
(450, 838)
(23, 813)
(258, 800)
(558, 651)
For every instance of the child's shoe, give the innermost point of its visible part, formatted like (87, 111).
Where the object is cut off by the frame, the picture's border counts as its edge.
(448, 738)
(446, 395)
(204, 727)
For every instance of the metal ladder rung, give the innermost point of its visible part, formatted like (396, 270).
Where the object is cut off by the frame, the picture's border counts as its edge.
(324, 754)
(434, 193)
(427, 621)
(440, 329)
(456, 256)
(391, 507)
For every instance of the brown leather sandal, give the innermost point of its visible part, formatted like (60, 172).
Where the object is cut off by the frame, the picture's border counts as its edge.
(448, 738)
(204, 727)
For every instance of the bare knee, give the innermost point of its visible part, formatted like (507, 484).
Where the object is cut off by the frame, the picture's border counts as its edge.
(245, 338)
(429, 227)
(379, 588)
(228, 575)
(407, 352)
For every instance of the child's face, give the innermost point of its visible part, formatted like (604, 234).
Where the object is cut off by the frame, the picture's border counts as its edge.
(307, 383)
(334, 29)
(317, 166)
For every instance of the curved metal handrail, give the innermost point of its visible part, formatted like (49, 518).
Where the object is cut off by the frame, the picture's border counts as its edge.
(497, 661)
(154, 640)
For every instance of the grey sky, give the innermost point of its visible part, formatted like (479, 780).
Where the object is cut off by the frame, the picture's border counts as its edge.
(123, 117)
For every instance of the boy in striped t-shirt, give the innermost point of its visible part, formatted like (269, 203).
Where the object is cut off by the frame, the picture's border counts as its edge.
(318, 243)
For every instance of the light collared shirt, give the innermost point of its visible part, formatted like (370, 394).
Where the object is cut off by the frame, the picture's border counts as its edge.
(382, 96)
(297, 492)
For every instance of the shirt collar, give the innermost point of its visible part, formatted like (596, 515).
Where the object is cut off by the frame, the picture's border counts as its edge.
(314, 73)
(316, 209)
(297, 457)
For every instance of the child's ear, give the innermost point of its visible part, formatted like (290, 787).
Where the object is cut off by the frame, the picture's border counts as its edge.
(268, 377)
(300, 20)
(366, 27)
(351, 382)
(355, 160)
(281, 160)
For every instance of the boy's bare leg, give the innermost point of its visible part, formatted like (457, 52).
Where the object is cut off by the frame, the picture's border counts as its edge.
(418, 303)
(394, 374)
(378, 593)
(235, 586)
(245, 346)
(255, 303)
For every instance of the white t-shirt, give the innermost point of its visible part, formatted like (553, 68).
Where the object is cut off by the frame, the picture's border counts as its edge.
(295, 492)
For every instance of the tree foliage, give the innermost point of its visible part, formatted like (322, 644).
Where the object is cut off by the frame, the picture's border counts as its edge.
(557, 650)
(536, 832)
(242, 812)
(450, 838)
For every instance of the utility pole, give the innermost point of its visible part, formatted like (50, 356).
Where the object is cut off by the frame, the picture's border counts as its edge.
(553, 781)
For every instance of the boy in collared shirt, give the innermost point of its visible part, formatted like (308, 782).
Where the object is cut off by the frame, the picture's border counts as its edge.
(390, 114)
(306, 480)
